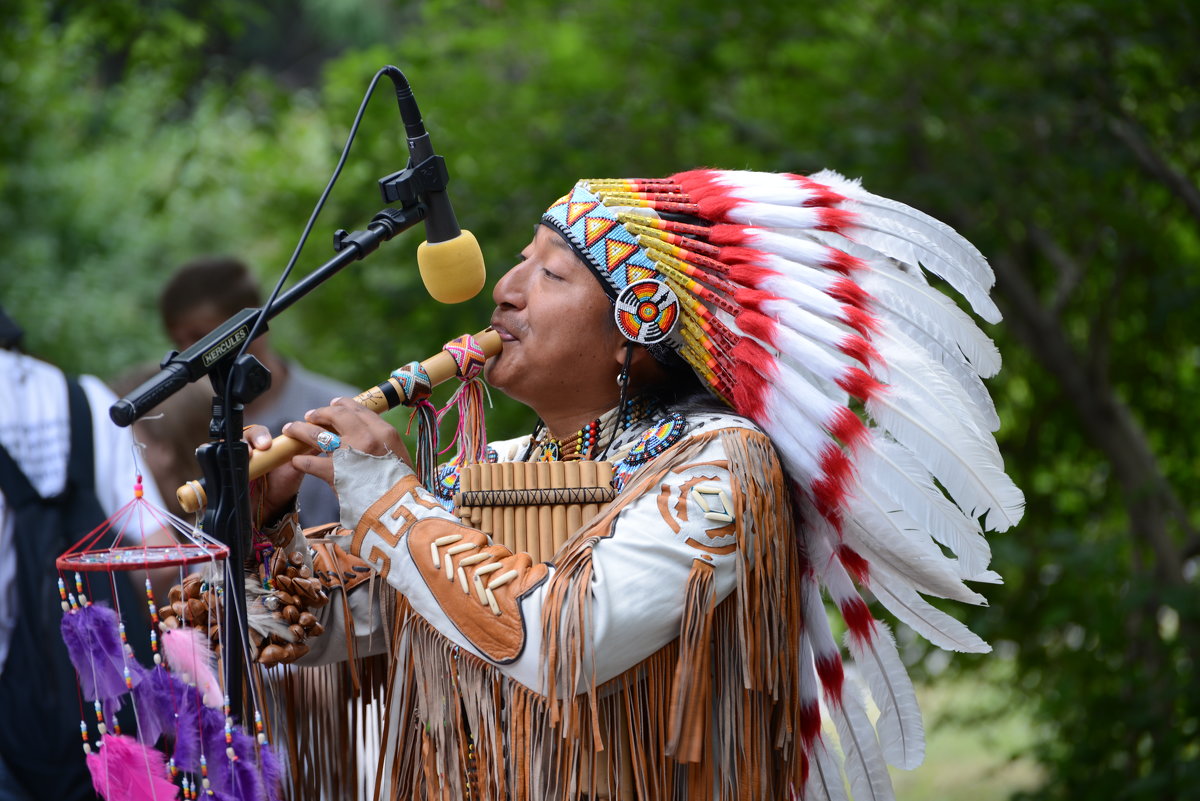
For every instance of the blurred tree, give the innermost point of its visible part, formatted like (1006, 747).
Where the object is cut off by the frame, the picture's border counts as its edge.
(1061, 137)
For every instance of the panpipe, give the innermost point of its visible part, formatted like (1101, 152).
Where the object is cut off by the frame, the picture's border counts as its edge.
(532, 507)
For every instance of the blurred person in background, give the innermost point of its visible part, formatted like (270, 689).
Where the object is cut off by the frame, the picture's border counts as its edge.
(170, 434)
(201, 295)
(64, 468)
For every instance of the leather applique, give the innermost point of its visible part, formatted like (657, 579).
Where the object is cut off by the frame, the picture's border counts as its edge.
(477, 585)
(336, 567)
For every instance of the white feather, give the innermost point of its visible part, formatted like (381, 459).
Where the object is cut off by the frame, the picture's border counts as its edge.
(934, 313)
(825, 779)
(906, 364)
(818, 359)
(966, 470)
(764, 187)
(901, 730)
(864, 763)
(933, 228)
(802, 294)
(979, 401)
(912, 247)
(770, 215)
(873, 245)
(886, 469)
(890, 537)
(795, 245)
(902, 601)
(922, 411)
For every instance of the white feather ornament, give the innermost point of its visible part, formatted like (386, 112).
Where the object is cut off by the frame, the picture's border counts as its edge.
(903, 602)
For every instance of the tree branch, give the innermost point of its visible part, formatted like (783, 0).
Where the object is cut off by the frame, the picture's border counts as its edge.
(1133, 137)
(1109, 423)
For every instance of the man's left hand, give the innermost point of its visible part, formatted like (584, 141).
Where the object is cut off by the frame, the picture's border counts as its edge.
(356, 427)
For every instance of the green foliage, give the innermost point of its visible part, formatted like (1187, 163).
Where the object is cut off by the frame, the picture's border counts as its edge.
(1059, 137)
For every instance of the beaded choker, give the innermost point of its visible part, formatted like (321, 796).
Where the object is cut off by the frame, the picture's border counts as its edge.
(590, 440)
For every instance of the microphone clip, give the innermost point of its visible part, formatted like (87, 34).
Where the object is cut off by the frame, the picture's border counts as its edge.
(409, 185)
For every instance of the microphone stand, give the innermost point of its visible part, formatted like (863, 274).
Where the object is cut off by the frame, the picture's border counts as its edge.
(225, 458)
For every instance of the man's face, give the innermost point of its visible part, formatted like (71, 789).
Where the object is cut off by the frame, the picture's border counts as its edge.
(194, 324)
(191, 326)
(561, 346)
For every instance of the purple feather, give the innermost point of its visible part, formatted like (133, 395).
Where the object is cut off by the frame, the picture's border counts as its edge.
(198, 730)
(93, 640)
(246, 784)
(239, 777)
(272, 773)
(155, 697)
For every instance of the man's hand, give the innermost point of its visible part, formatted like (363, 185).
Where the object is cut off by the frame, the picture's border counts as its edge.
(277, 488)
(356, 426)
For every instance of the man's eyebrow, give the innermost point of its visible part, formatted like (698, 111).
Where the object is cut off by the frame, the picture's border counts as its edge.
(560, 242)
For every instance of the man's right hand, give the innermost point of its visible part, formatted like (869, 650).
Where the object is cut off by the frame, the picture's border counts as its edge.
(276, 491)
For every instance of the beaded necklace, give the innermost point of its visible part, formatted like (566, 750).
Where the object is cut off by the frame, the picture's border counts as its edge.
(590, 440)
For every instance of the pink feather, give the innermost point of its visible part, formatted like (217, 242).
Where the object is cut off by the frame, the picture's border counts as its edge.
(188, 655)
(125, 770)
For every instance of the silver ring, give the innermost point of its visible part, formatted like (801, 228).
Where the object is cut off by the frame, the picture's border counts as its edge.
(328, 441)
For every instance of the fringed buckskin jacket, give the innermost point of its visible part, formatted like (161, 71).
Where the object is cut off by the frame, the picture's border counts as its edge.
(655, 657)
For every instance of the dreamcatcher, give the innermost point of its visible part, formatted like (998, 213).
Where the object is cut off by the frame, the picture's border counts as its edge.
(186, 743)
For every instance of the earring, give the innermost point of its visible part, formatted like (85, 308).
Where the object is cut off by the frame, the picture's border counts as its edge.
(623, 377)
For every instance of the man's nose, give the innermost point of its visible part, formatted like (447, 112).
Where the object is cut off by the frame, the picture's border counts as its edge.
(510, 289)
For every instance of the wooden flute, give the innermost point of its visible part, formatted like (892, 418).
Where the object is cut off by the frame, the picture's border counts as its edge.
(440, 367)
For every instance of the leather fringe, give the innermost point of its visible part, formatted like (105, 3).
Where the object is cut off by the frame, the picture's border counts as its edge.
(710, 717)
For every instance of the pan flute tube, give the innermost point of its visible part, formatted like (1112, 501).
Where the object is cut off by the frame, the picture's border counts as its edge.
(545, 514)
(520, 539)
(508, 517)
(574, 510)
(533, 542)
(487, 517)
(587, 478)
(558, 478)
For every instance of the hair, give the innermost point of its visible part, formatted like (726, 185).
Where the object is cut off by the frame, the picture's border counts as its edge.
(678, 386)
(223, 282)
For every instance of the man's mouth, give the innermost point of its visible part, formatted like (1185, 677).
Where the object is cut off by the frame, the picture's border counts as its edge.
(502, 330)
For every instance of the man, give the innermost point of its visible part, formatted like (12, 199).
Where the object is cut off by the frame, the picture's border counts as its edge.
(676, 645)
(204, 293)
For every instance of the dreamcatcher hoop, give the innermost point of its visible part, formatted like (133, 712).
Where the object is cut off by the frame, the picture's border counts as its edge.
(85, 556)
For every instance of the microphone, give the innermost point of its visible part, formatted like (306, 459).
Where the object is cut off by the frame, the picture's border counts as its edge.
(450, 261)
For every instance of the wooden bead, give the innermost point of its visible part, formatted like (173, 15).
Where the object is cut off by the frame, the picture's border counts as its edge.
(196, 610)
(272, 655)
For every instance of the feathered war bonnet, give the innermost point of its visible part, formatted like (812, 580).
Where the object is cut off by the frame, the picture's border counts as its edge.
(802, 303)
